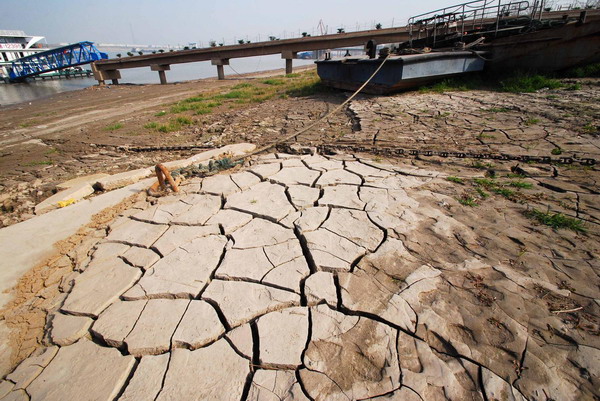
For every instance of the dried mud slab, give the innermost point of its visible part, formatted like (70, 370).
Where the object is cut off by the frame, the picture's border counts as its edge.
(370, 280)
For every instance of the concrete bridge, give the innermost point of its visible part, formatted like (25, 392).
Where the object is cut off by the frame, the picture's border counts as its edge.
(220, 56)
(288, 48)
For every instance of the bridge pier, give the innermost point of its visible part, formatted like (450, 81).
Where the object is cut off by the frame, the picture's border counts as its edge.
(161, 68)
(288, 56)
(103, 75)
(220, 62)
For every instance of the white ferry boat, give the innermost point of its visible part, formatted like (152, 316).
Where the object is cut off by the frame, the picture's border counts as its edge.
(17, 44)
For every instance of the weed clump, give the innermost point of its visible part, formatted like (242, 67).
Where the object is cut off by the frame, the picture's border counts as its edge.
(467, 200)
(114, 126)
(588, 71)
(456, 180)
(556, 220)
(526, 83)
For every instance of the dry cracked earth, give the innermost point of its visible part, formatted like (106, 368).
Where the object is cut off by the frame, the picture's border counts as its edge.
(322, 278)
(475, 121)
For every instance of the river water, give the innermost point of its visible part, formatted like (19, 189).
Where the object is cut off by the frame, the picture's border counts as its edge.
(26, 92)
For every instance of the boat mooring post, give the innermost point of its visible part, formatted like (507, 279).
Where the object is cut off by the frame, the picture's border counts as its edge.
(161, 68)
(288, 56)
(220, 62)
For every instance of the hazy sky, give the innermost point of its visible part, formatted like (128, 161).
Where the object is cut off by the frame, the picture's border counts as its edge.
(184, 21)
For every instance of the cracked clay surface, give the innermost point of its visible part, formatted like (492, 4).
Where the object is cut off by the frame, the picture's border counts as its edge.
(311, 277)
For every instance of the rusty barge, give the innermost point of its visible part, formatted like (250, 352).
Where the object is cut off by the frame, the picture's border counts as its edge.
(490, 35)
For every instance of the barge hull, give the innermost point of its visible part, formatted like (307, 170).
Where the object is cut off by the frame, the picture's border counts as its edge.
(399, 72)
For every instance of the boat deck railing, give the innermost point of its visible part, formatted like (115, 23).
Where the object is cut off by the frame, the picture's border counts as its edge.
(465, 18)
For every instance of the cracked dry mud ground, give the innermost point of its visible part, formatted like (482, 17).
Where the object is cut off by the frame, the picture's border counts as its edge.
(476, 120)
(325, 278)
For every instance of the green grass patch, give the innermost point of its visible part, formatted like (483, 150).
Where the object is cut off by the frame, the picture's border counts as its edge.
(556, 151)
(454, 179)
(484, 182)
(292, 75)
(151, 125)
(532, 121)
(588, 71)
(590, 128)
(526, 83)
(183, 121)
(507, 193)
(556, 220)
(242, 86)
(520, 184)
(467, 201)
(160, 114)
(114, 127)
(573, 87)
(308, 88)
(273, 81)
(194, 99)
(482, 193)
(515, 175)
(39, 163)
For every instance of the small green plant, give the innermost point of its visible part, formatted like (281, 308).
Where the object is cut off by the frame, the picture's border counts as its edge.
(39, 163)
(194, 99)
(556, 220)
(272, 81)
(114, 126)
(552, 97)
(573, 87)
(454, 179)
(590, 128)
(292, 75)
(556, 151)
(588, 71)
(51, 151)
(242, 86)
(520, 184)
(507, 193)
(484, 182)
(467, 200)
(160, 114)
(515, 175)
(183, 120)
(531, 121)
(482, 193)
(151, 125)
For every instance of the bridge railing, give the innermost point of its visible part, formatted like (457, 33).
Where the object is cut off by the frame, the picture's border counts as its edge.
(55, 59)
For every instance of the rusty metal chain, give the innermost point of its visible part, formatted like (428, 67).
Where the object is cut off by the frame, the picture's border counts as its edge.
(400, 152)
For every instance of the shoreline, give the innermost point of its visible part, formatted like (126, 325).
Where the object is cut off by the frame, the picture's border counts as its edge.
(250, 75)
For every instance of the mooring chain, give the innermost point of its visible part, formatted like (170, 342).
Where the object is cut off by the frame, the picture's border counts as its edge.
(400, 152)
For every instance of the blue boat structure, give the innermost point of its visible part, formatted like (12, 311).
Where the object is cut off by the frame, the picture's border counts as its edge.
(56, 59)
(481, 35)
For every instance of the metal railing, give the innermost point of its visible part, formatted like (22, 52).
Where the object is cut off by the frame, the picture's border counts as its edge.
(55, 59)
(461, 19)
